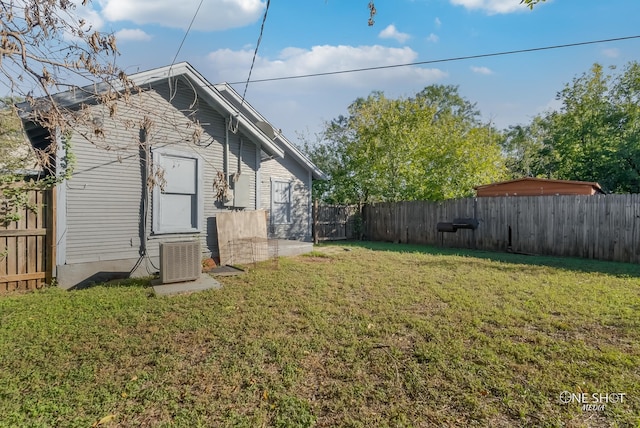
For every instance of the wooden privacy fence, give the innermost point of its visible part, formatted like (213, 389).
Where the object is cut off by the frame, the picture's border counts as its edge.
(604, 227)
(26, 245)
(335, 222)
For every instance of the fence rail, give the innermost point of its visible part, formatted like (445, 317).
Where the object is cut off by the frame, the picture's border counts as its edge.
(26, 250)
(604, 227)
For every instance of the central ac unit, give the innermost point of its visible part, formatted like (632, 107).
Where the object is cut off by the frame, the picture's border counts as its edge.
(180, 261)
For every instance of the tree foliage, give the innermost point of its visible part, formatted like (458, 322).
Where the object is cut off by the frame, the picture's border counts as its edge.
(15, 157)
(595, 136)
(524, 152)
(428, 147)
(531, 3)
(14, 153)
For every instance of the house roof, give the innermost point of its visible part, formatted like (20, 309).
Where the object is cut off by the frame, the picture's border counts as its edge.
(232, 96)
(183, 70)
(537, 186)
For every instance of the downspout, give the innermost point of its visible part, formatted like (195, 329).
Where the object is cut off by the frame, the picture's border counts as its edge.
(236, 175)
(146, 149)
(258, 178)
(144, 157)
(226, 149)
(310, 207)
(240, 157)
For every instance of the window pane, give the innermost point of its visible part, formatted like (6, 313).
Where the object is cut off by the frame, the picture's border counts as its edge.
(178, 212)
(280, 213)
(179, 174)
(281, 192)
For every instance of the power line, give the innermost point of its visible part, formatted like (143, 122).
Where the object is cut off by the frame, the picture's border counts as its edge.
(186, 34)
(435, 61)
(255, 52)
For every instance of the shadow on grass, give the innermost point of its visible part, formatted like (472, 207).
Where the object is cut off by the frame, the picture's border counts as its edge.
(568, 263)
(122, 280)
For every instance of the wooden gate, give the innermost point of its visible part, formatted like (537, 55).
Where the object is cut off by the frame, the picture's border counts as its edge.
(335, 222)
(27, 249)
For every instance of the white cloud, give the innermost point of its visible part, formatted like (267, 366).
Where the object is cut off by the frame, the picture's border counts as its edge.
(92, 19)
(611, 52)
(433, 38)
(132, 34)
(481, 70)
(228, 65)
(391, 32)
(213, 15)
(437, 22)
(290, 52)
(492, 6)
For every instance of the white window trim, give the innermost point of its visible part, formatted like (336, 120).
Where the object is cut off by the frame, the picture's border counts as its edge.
(156, 215)
(290, 203)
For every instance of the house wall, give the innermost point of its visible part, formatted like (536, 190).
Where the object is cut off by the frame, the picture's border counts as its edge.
(108, 218)
(288, 169)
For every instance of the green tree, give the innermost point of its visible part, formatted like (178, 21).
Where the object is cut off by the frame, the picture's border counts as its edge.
(330, 154)
(428, 147)
(595, 134)
(446, 101)
(14, 152)
(626, 96)
(524, 151)
(16, 155)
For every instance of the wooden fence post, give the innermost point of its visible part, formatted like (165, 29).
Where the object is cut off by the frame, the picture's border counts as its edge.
(315, 222)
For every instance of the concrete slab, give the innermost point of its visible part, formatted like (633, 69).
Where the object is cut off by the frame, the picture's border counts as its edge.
(205, 282)
(285, 247)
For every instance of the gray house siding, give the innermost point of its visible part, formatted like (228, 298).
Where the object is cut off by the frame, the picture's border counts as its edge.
(290, 176)
(287, 170)
(105, 197)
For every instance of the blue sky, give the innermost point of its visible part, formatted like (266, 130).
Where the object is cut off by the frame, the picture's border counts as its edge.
(316, 36)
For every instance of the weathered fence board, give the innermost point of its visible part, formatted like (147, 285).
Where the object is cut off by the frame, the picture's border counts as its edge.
(605, 227)
(26, 245)
(335, 222)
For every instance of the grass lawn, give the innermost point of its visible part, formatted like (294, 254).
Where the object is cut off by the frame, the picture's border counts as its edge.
(357, 335)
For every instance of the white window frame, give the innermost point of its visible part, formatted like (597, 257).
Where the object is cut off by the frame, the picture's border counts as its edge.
(289, 183)
(158, 226)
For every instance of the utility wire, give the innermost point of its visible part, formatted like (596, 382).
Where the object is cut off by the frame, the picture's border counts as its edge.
(435, 61)
(171, 92)
(185, 35)
(255, 52)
